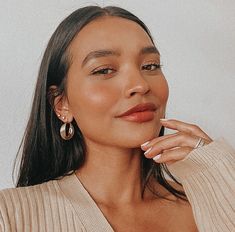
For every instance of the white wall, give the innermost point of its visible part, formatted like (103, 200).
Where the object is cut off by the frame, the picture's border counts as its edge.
(196, 40)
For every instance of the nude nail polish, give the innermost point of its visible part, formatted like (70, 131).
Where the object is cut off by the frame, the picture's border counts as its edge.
(163, 119)
(144, 144)
(148, 151)
(157, 157)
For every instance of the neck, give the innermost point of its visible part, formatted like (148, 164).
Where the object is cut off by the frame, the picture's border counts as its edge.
(112, 175)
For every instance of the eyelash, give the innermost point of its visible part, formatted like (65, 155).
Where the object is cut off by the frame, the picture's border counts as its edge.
(99, 72)
(158, 66)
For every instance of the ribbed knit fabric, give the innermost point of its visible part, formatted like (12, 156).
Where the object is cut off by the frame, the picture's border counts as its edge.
(54, 206)
(207, 174)
(208, 178)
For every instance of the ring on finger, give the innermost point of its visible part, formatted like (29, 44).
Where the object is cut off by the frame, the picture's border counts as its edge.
(200, 143)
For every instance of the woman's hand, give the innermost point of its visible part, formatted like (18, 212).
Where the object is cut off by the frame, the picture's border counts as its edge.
(174, 147)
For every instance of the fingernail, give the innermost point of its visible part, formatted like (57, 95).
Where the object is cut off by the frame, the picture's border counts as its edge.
(157, 157)
(148, 151)
(163, 119)
(144, 144)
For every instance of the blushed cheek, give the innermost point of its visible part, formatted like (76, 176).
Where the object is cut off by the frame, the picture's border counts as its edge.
(165, 93)
(93, 102)
(161, 90)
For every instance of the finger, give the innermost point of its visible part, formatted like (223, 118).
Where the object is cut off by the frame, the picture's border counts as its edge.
(173, 155)
(180, 140)
(150, 143)
(185, 127)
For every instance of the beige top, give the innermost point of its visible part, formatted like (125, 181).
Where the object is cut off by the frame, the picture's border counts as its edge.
(207, 174)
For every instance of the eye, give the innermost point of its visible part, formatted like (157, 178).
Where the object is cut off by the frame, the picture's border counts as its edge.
(103, 71)
(152, 66)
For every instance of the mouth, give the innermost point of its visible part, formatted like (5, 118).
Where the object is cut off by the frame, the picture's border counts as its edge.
(140, 113)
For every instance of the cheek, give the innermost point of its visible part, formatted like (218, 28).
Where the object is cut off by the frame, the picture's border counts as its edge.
(93, 107)
(92, 101)
(160, 89)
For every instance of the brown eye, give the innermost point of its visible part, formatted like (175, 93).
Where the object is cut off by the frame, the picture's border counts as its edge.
(152, 67)
(103, 71)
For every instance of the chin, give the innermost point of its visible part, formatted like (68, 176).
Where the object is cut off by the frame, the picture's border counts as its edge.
(134, 140)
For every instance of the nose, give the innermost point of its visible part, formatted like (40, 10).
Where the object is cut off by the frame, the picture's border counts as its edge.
(136, 84)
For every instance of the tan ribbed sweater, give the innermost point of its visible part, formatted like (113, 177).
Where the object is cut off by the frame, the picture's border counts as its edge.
(207, 174)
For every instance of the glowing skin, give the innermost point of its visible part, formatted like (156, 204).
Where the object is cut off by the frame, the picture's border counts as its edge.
(95, 100)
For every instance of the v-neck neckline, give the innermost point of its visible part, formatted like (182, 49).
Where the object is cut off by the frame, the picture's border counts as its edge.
(86, 208)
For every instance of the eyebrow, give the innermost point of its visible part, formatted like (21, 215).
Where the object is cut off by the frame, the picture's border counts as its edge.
(149, 50)
(99, 53)
(105, 53)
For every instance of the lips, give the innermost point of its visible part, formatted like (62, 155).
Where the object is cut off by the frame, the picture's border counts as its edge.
(139, 108)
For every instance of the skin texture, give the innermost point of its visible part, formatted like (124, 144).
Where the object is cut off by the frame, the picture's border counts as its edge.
(114, 144)
(100, 98)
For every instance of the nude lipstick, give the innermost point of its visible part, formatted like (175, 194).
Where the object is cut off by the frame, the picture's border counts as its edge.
(140, 113)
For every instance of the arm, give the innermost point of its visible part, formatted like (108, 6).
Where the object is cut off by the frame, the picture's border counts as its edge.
(208, 178)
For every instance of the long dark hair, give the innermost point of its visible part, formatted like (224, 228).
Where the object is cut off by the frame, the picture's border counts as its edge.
(42, 153)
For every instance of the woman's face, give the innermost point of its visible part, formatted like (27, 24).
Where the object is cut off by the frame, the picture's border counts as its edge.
(103, 85)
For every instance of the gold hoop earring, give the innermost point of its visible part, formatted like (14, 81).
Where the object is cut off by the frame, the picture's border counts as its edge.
(67, 131)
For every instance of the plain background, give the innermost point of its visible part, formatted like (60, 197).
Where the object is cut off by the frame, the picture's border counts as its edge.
(196, 40)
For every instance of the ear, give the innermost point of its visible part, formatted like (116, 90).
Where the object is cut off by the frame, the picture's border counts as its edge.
(61, 105)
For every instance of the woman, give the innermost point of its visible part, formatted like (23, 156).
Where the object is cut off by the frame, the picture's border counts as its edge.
(94, 151)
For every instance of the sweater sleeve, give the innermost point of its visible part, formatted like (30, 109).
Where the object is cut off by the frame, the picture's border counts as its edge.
(208, 177)
(1, 223)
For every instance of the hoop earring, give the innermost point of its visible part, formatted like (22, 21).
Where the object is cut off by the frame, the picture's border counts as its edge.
(67, 131)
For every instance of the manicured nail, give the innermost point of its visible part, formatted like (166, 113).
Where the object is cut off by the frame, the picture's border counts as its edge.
(148, 151)
(157, 157)
(164, 119)
(144, 144)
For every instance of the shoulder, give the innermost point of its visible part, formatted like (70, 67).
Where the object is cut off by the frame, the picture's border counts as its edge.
(23, 193)
(25, 205)
(22, 198)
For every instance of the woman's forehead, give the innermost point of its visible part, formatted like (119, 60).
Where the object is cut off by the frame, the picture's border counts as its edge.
(110, 32)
